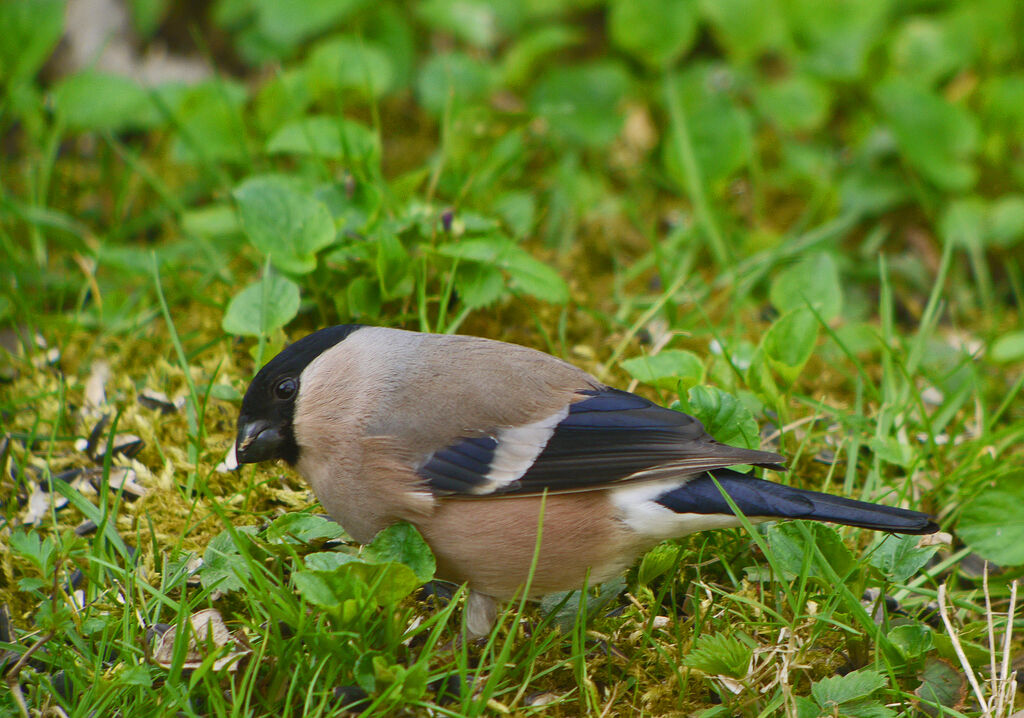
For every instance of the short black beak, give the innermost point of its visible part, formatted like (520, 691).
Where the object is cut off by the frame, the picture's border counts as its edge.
(258, 440)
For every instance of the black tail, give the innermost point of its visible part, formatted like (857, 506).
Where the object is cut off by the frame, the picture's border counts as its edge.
(758, 498)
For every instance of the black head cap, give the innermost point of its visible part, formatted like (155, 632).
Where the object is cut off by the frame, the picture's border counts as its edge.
(265, 422)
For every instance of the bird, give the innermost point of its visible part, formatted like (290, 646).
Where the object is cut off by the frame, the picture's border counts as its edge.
(480, 444)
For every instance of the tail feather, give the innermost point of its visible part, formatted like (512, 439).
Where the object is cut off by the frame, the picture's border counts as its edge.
(758, 498)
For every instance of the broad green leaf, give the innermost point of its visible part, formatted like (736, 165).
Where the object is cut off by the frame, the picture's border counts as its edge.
(473, 21)
(582, 103)
(724, 416)
(453, 79)
(837, 690)
(1006, 221)
(926, 50)
(330, 137)
(31, 31)
(913, 640)
(992, 524)
(315, 589)
(223, 566)
(479, 285)
(525, 273)
(656, 32)
(209, 123)
(393, 267)
(349, 63)
(100, 101)
(835, 38)
(302, 528)
(936, 137)
(789, 342)
(963, 222)
(262, 307)
(657, 561)
(528, 50)
(284, 25)
(718, 654)
(1008, 348)
(942, 683)
(283, 97)
(790, 547)
(796, 103)
(814, 281)
(719, 128)
(213, 220)
(363, 298)
(402, 543)
(284, 222)
(746, 28)
(899, 558)
(669, 369)
(328, 560)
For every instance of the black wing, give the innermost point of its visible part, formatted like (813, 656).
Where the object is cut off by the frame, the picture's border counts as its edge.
(606, 438)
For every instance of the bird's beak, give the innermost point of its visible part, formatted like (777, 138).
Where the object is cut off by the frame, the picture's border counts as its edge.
(257, 440)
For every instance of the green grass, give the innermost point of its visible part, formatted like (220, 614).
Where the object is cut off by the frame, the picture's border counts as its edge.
(801, 223)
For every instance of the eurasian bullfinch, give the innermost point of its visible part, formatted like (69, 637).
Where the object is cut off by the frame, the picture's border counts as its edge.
(468, 438)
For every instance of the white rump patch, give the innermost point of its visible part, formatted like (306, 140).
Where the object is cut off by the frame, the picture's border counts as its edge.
(639, 509)
(518, 447)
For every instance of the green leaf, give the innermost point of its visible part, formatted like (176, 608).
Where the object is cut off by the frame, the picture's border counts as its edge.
(393, 267)
(814, 281)
(326, 136)
(942, 683)
(315, 589)
(582, 103)
(262, 307)
(223, 566)
(474, 21)
(937, 138)
(718, 654)
(746, 28)
(926, 50)
(525, 273)
(795, 104)
(790, 547)
(993, 523)
(835, 38)
(899, 558)
(282, 25)
(656, 32)
(100, 101)
(209, 123)
(1006, 221)
(348, 63)
(913, 640)
(1008, 348)
(657, 561)
(530, 48)
(479, 285)
(402, 543)
(669, 369)
(454, 78)
(31, 31)
(719, 128)
(285, 223)
(302, 528)
(837, 690)
(789, 342)
(137, 675)
(213, 220)
(724, 416)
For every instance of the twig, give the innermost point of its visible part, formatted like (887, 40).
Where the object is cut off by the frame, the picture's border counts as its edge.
(12, 675)
(944, 613)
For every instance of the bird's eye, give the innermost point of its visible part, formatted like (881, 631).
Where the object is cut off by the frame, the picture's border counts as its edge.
(286, 389)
